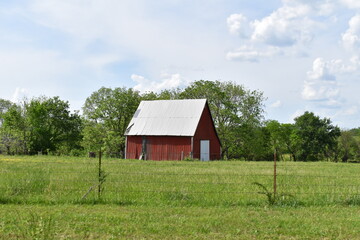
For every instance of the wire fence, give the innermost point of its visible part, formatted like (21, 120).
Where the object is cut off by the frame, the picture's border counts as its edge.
(217, 183)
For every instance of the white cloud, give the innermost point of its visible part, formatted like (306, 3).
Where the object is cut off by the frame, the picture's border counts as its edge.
(238, 25)
(168, 81)
(351, 38)
(321, 84)
(276, 104)
(321, 91)
(19, 94)
(246, 53)
(321, 70)
(319, 7)
(286, 26)
(351, 3)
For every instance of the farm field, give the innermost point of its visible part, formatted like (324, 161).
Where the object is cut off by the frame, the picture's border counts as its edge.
(57, 198)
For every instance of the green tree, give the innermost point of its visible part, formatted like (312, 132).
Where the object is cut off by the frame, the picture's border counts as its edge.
(110, 110)
(276, 136)
(14, 130)
(52, 127)
(5, 105)
(281, 135)
(349, 147)
(237, 113)
(315, 138)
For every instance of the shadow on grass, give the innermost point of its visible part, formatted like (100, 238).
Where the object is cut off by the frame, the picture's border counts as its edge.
(352, 201)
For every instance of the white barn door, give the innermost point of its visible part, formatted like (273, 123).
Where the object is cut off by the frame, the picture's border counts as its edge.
(204, 150)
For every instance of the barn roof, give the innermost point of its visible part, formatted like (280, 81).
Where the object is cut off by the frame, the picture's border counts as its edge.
(166, 118)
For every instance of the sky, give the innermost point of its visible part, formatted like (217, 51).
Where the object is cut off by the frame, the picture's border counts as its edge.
(304, 55)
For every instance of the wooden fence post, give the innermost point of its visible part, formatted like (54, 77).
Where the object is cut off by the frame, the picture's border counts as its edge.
(274, 174)
(99, 176)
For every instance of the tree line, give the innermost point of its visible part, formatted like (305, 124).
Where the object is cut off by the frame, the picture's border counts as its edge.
(46, 125)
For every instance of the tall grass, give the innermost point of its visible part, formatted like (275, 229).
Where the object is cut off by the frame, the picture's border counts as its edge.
(54, 180)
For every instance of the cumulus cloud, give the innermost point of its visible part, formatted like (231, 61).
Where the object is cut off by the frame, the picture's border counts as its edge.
(322, 70)
(167, 81)
(286, 26)
(238, 25)
(289, 26)
(351, 38)
(322, 84)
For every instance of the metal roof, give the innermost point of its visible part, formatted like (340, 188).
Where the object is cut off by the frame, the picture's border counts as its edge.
(166, 118)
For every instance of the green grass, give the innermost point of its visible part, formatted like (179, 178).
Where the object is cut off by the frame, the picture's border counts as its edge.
(145, 222)
(42, 198)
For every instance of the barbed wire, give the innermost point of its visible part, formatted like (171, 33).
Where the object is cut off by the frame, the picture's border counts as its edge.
(123, 181)
(184, 162)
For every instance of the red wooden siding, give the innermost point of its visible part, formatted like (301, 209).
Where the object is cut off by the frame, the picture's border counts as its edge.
(133, 147)
(159, 147)
(206, 131)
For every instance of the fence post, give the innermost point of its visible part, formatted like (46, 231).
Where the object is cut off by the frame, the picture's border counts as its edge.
(99, 176)
(274, 174)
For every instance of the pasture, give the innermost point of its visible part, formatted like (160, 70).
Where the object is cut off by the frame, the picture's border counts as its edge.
(47, 197)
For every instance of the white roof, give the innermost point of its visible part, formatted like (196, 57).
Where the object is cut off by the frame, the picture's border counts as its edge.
(166, 118)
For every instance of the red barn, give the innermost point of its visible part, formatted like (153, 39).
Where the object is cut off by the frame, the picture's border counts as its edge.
(172, 130)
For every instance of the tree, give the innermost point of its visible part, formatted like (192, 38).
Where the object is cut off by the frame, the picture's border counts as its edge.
(281, 135)
(110, 110)
(237, 113)
(6, 139)
(5, 105)
(14, 128)
(349, 147)
(315, 138)
(52, 128)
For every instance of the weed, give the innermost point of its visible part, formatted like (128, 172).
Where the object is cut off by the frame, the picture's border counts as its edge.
(177, 196)
(36, 226)
(32, 182)
(282, 199)
(353, 200)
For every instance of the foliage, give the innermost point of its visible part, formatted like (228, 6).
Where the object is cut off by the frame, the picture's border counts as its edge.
(14, 130)
(5, 105)
(52, 126)
(281, 135)
(46, 125)
(42, 125)
(348, 146)
(235, 111)
(108, 112)
(315, 138)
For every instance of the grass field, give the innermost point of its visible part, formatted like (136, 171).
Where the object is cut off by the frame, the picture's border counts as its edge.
(43, 198)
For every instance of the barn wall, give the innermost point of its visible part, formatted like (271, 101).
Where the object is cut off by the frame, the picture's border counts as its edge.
(167, 147)
(159, 147)
(133, 147)
(206, 131)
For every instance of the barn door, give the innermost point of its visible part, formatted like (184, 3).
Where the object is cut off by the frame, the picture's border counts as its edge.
(204, 150)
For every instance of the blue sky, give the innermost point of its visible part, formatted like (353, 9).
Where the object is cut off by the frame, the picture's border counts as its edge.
(304, 55)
